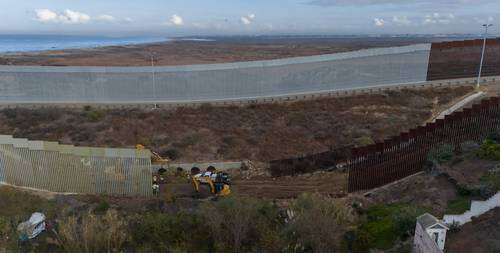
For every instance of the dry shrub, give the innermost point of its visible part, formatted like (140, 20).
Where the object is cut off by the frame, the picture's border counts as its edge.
(242, 225)
(93, 233)
(317, 224)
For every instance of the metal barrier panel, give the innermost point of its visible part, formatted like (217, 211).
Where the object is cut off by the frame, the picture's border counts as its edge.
(212, 82)
(400, 156)
(67, 169)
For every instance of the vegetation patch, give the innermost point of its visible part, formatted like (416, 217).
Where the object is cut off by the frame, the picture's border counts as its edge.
(384, 225)
(441, 154)
(490, 149)
(458, 205)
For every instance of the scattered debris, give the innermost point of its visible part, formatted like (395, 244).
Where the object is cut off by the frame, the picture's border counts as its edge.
(32, 227)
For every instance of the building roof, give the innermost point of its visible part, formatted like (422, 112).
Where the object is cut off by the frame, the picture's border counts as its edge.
(426, 220)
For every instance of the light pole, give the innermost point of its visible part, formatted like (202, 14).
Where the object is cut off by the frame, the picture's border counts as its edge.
(152, 55)
(486, 26)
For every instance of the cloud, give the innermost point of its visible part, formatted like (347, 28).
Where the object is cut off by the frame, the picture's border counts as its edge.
(437, 18)
(401, 20)
(248, 19)
(73, 17)
(378, 22)
(66, 17)
(484, 20)
(45, 15)
(104, 17)
(176, 20)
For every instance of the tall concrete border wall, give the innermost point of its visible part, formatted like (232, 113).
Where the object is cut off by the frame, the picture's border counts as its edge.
(214, 82)
(68, 169)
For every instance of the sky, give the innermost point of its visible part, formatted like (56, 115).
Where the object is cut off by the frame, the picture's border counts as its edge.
(246, 17)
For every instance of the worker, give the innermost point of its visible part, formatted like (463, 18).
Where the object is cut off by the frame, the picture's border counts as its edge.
(179, 171)
(156, 186)
(210, 170)
(195, 170)
(156, 189)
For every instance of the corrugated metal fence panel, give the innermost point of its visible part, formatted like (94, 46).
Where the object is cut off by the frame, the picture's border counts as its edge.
(243, 80)
(64, 168)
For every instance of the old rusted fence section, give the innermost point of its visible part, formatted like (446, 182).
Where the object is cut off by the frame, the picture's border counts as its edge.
(400, 156)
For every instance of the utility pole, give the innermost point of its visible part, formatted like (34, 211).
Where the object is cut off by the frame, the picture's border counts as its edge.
(152, 55)
(486, 26)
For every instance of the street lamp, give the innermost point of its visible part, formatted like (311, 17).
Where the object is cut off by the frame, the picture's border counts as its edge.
(152, 55)
(486, 26)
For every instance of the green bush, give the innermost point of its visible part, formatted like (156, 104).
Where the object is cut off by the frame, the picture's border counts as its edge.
(492, 179)
(441, 154)
(94, 115)
(102, 207)
(386, 224)
(458, 205)
(490, 149)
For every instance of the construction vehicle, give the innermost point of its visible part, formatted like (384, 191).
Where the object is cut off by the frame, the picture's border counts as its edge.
(155, 157)
(210, 183)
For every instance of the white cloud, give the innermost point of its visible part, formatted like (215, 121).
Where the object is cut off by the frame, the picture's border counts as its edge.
(74, 17)
(378, 22)
(484, 20)
(66, 17)
(401, 20)
(437, 18)
(45, 15)
(104, 17)
(176, 20)
(248, 19)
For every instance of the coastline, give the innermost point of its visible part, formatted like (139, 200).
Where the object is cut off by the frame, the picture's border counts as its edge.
(179, 51)
(37, 44)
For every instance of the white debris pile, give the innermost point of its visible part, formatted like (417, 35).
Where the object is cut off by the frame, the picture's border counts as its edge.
(32, 228)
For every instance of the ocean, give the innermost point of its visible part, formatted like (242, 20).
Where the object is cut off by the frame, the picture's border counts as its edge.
(30, 43)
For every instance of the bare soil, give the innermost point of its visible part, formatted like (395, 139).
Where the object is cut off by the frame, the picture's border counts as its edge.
(222, 50)
(482, 235)
(327, 183)
(258, 132)
(470, 171)
(423, 190)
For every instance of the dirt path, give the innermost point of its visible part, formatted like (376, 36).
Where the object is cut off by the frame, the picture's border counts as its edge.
(331, 183)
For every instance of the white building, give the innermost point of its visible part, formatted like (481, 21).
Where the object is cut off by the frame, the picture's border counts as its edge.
(430, 235)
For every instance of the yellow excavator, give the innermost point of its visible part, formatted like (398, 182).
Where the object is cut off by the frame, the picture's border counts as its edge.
(206, 184)
(155, 157)
(211, 183)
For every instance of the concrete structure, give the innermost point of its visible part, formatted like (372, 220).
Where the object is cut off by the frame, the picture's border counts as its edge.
(53, 167)
(430, 235)
(477, 208)
(368, 68)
